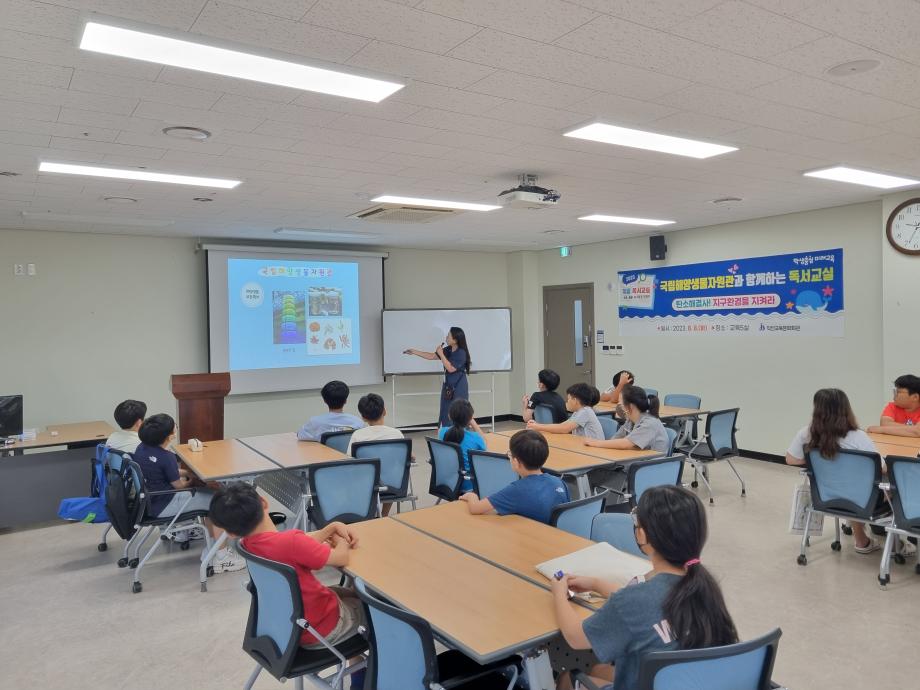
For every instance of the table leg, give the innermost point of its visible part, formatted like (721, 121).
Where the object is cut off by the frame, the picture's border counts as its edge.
(206, 560)
(584, 489)
(538, 674)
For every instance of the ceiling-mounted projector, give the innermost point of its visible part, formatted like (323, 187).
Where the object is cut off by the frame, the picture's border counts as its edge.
(529, 195)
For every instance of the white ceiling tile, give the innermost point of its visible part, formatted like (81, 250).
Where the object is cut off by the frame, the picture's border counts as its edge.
(396, 130)
(527, 89)
(660, 14)
(32, 126)
(289, 9)
(784, 6)
(474, 142)
(7, 137)
(741, 28)
(766, 138)
(258, 30)
(215, 146)
(909, 125)
(31, 111)
(844, 131)
(206, 119)
(219, 84)
(391, 23)
(422, 94)
(388, 109)
(105, 148)
(628, 43)
(831, 99)
(517, 54)
(536, 115)
(541, 20)
(174, 14)
(899, 145)
(127, 87)
(305, 131)
(35, 73)
(695, 124)
(417, 148)
(220, 165)
(458, 122)
(417, 64)
(264, 109)
(321, 147)
(41, 18)
(621, 109)
(405, 160)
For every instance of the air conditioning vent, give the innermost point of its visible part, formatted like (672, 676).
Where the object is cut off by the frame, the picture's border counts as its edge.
(388, 213)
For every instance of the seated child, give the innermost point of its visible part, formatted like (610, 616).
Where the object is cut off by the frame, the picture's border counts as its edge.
(580, 398)
(621, 379)
(901, 417)
(335, 395)
(160, 467)
(334, 612)
(464, 431)
(536, 494)
(128, 415)
(546, 395)
(676, 605)
(642, 429)
(373, 412)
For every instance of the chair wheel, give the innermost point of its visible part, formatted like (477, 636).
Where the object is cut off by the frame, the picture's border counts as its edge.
(209, 571)
(102, 547)
(694, 484)
(122, 562)
(136, 587)
(883, 581)
(847, 530)
(184, 545)
(835, 546)
(743, 492)
(164, 537)
(899, 559)
(802, 560)
(711, 501)
(133, 562)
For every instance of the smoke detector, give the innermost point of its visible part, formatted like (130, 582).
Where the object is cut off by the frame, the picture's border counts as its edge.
(528, 195)
(189, 133)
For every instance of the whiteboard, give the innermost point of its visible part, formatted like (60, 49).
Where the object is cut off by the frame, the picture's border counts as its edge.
(488, 335)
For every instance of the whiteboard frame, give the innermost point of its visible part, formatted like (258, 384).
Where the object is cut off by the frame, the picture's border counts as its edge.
(472, 371)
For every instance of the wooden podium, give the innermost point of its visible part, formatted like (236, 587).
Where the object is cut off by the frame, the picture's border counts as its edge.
(201, 405)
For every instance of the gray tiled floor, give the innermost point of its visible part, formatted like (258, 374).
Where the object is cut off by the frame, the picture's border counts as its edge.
(68, 618)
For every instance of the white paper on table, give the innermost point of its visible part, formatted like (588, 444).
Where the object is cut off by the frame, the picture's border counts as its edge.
(599, 560)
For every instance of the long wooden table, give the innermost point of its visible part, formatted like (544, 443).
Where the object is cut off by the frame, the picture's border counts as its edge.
(886, 449)
(288, 453)
(484, 611)
(35, 475)
(224, 460)
(892, 440)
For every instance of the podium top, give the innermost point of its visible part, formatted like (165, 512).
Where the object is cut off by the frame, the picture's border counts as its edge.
(200, 385)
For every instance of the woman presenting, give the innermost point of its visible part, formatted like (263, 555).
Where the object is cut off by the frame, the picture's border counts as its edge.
(456, 361)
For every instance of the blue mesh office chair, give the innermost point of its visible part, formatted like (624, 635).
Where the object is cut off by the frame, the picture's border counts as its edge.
(276, 622)
(847, 487)
(577, 516)
(672, 439)
(617, 530)
(718, 443)
(491, 472)
(644, 474)
(402, 654)
(650, 391)
(904, 493)
(337, 439)
(683, 400)
(395, 462)
(105, 458)
(543, 414)
(609, 425)
(446, 469)
(344, 490)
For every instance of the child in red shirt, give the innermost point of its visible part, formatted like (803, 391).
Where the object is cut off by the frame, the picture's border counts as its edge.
(901, 417)
(334, 612)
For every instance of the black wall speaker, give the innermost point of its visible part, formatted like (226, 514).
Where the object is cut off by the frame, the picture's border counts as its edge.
(657, 249)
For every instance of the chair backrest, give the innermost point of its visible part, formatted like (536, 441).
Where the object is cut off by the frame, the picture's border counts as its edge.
(337, 439)
(644, 474)
(543, 414)
(720, 432)
(491, 472)
(577, 516)
(272, 635)
(904, 475)
(650, 391)
(125, 497)
(608, 424)
(741, 666)
(446, 469)
(344, 490)
(846, 484)
(395, 457)
(682, 400)
(402, 653)
(617, 530)
(672, 438)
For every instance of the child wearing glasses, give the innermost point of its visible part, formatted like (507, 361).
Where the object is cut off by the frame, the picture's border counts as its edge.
(535, 494)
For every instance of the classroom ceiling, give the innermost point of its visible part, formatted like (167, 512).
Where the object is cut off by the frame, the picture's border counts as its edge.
(491, 88)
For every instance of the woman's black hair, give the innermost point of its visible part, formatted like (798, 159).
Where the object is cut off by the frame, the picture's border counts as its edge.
(156, 429)
(460, 338)
(460, 413)
(634, 395)
(831, 420)
(674, 521)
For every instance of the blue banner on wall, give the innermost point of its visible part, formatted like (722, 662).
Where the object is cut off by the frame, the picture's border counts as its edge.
(785, 294)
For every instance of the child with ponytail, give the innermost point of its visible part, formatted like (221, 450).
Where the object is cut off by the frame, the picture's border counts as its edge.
(465, 432)
(676, 605)
(642, 428)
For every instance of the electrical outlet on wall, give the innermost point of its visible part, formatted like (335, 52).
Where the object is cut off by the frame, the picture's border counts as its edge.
(19, 270)
(30, 269)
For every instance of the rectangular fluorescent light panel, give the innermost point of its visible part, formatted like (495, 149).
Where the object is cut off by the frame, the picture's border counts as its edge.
(637, 139)
(140, 45)
(142, 175)
(434, 203)
(626, 220)
(842, 173)
(329, 235)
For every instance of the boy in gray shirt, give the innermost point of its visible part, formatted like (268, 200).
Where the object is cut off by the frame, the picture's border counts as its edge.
(580, 399)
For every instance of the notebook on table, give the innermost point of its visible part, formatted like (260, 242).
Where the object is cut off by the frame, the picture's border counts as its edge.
(599, 560)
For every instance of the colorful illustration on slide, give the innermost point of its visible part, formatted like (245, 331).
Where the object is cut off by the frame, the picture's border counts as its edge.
(329, 336)
(288, 317)
(325, 301)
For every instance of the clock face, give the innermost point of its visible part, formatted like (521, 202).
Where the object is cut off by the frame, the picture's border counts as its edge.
(903, 229)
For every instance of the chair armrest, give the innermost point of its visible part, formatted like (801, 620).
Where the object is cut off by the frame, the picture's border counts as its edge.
(303, 623)
(170, 492)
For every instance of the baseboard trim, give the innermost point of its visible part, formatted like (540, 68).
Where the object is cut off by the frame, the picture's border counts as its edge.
(767, 457)
(430, 426)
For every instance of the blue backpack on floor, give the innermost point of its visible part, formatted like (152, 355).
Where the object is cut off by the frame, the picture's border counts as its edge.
(91, 509)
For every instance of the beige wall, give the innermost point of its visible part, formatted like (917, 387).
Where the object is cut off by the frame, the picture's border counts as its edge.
(771, 379)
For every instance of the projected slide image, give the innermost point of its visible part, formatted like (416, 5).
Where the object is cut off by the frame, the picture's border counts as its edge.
(329, 337)
(288, 316)
(325, 301)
